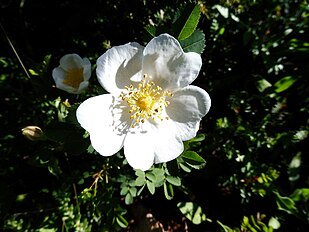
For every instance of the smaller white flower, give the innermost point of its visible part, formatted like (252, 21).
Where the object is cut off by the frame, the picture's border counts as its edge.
(72, 74)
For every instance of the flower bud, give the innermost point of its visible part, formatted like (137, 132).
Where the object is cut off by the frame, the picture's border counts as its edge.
(33, 133)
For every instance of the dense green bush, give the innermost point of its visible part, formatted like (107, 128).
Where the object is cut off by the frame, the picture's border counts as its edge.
(247, 170)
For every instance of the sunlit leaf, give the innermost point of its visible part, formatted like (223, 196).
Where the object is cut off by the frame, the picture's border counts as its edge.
(133, 191)
(174, 180)
(194, 43)
(300, 194)
(140, 181)
(159, 176)
(191, 23)
(274, 223)
(186, 24)
(185, 167)
(121, 221)
(151, 176)
(192, 157)
(192, 211)
(151, 187)
(262, 84)
(151, 30)
(222, 10)
(286, 204)
(284, 83)
(140, 173)
(32, 72)
(198, 138)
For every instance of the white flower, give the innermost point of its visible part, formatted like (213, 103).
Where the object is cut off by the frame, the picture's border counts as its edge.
(72, 74)
(151, 107)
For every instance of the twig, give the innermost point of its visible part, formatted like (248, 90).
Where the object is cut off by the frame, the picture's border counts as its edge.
(15, 52)
(74, 186)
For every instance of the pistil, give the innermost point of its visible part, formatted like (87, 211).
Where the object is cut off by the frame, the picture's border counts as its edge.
(146, 101)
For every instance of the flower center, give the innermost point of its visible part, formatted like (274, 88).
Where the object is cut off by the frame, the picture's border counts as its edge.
(74, 77)
(146, 101)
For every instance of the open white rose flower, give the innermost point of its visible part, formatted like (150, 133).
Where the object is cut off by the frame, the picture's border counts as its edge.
(151, 108)
(72, 74)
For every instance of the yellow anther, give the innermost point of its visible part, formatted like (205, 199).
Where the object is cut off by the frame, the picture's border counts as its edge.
(145, 101)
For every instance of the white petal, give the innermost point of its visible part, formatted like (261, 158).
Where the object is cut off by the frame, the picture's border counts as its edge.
(87, 69)
(82, 86)
(186, 109)
(118, 65)
(166, 62)
(152, 144)
(106, 143)
(168, 144)
(139, 150)
(71, 61)
(59, 75)
(96, 116)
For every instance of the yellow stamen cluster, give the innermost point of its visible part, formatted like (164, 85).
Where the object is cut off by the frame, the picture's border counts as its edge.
(74, 77)
(145, 101)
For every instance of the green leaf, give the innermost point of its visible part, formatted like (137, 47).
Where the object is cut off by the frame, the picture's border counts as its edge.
(151, 187)
(255, 223)
(284, 83)
(198, 138)
(140, 173)
(174, 180)
(226, 228)
(151, 30)
(194, 43)
(158, 172)
(185, 167)
(294, 168)
(192, 157)
(133, 191)
(53, 167)
(140, 190)
(140, 181)
(159, 176)
(192, 211)
(121, 221)
(32, 72)
(186, 24)
(151, 176)
(262, 84)
(168, 190)
(300, 194)
(128, 199)
(124, 191)
(90, 149)
(286, 204)
(81, 181)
